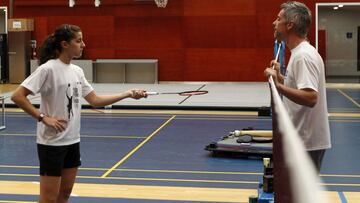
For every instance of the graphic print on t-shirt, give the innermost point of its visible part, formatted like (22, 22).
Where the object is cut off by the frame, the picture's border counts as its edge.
(72, 95)
(69, 96)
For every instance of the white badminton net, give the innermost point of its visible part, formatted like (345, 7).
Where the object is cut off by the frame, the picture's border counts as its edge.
(304, 180)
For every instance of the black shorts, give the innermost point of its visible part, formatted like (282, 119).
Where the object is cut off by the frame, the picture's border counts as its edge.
(317, 158)
(55, 158)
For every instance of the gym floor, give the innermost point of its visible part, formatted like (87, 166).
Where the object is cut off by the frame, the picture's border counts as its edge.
(137, 156)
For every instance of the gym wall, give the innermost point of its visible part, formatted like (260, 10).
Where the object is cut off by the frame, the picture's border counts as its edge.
(194, 40)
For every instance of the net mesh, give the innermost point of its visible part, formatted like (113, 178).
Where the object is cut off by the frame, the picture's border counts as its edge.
(303, 178)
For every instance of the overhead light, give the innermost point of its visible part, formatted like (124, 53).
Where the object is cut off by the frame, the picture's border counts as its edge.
(336, 8)
(71, 3)
(341, 5)
(97, 3)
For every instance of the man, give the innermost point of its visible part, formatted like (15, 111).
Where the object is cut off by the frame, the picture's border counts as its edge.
(303, 86)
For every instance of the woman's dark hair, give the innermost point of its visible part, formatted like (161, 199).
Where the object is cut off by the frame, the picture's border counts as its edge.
(51, 48)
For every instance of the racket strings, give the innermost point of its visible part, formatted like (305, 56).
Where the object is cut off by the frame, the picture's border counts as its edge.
(185, 93)
(191, 93)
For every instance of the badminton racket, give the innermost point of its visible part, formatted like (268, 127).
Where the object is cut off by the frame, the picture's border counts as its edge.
(185, 93)
(277, 55)
(271, 80)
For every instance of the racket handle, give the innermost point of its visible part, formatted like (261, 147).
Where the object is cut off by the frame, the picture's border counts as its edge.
(152, 93)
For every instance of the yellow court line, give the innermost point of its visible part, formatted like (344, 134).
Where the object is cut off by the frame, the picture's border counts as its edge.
(349, 98)
(18, 134)
(350, 115)
(148, 170)
(342, 184)
(136, 148)
(182, 171)
(340, 175)
(175, 180)
(190, 172)
(351, 86)
(184, 180)
(18, 175)
(345, 120)
(144, 179)
(177, 112)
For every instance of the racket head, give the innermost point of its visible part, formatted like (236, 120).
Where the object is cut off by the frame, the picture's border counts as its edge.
(192, 93)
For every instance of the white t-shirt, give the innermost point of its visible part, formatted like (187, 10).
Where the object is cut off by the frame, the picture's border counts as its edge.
(306, 70)
(61, 87)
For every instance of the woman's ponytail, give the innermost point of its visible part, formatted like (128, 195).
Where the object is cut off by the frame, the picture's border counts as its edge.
(51, 47)
(48, 50)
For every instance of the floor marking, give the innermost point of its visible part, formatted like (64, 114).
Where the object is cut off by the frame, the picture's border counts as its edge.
(351, 115)
(136, 148)
(145, 192)
(352, 86)
(342, 197)
(156, 112)
(174, 193)
(174, 180)
(182, 171)
(342, 184)
(349, 98)
(82, 136)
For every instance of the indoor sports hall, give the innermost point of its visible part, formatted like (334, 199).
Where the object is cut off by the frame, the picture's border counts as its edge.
(201, 64)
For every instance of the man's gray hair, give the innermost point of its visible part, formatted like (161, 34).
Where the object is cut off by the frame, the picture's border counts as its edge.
(299, 14)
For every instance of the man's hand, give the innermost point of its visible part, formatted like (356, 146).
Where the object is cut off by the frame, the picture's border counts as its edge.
(275, 73)
(271, 72)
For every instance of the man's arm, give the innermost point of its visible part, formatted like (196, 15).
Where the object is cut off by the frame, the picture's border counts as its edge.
(306, 97)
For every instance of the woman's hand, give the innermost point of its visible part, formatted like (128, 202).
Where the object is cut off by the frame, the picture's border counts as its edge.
(58, 124)
(137, 94)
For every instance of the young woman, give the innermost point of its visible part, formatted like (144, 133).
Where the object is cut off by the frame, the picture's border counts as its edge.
(61, 85)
